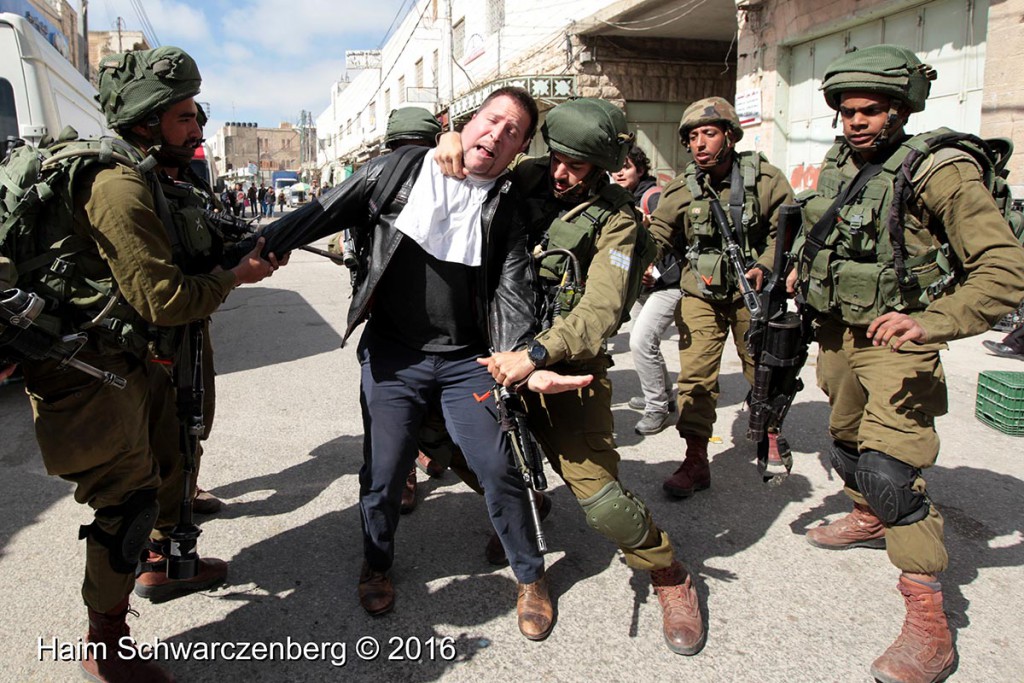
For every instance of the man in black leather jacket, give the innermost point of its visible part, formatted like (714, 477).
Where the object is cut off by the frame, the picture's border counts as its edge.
(445, 282)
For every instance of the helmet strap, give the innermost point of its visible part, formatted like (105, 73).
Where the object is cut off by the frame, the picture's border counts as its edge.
(891, 121)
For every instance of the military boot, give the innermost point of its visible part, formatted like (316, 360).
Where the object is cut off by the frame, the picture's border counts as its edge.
(859, 529)
(152, 582)
(923, 651)
(103, 663)
(680, 609)
(694, 474)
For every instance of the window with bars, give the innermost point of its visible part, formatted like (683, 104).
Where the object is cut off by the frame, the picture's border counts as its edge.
(418, 73)
(401, 89)
(459, 39)
(495, 15)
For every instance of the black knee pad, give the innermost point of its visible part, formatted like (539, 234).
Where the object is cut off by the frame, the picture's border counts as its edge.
(887, 484)
(138, 515)
(844, 461)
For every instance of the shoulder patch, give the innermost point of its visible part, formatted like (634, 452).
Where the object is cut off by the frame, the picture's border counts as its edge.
(620, 259)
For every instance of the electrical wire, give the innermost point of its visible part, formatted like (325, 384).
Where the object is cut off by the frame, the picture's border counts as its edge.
(686, 9)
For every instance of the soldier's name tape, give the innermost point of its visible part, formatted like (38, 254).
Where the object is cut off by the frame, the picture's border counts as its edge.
(366, 648)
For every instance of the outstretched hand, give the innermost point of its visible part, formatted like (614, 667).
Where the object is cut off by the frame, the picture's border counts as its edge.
(548, 382)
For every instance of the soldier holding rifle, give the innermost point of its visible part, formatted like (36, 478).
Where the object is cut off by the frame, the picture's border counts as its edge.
(719, 280)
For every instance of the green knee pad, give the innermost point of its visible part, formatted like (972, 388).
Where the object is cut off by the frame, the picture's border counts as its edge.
(614, 512)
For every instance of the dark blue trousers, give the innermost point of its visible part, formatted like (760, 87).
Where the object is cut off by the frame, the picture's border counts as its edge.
(398, 384)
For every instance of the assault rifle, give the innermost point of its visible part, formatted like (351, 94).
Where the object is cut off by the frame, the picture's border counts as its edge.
(182, 558)
(777, 341)
(21, 338)
(733, 249)
(525, 454)
(235, 229)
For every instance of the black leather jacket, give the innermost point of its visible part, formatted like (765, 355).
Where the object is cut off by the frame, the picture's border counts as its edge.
(505, 280)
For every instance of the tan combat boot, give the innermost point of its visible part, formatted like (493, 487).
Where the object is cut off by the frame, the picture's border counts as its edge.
(680, 608)
(534, 609)
(694, 474)
(923, 651)
(859, 529)
(152, 582)
(104, 663)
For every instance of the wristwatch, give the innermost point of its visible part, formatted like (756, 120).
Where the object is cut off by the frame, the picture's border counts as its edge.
(537, 354)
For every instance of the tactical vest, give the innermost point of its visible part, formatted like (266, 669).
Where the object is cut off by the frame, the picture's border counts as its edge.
(577, 231)
(860, 273)
(706, 253)
(49, 257)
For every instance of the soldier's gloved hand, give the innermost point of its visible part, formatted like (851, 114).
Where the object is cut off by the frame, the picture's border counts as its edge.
(448, 155)
(899, 325)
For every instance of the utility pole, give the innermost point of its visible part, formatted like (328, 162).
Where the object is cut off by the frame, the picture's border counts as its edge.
(451, 68)
(120, 22)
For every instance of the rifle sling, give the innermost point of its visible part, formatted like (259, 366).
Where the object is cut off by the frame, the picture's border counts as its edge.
(736, 192)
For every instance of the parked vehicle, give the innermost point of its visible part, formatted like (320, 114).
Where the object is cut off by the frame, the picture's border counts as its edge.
(40, 91)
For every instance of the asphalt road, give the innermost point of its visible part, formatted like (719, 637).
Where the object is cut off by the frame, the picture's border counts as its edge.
(285, 454)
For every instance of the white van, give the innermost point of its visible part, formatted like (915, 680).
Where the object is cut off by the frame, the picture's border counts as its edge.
(40, 90)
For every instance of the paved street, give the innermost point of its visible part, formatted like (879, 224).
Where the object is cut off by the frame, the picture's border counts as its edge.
(285, 453)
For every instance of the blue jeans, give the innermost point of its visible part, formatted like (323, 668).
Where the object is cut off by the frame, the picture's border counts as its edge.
(398, 385)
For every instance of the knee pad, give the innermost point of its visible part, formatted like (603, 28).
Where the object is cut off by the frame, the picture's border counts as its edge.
(887, 484)
(615, 513)
(124, 547)
(844, 461)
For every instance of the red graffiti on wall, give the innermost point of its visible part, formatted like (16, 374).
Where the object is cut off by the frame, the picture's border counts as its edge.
(804, 177)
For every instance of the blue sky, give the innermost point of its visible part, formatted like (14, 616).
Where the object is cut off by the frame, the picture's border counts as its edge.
(262, 60)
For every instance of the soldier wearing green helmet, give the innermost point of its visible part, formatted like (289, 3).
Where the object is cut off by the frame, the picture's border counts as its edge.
(903, 250)
(752, 191)
(572, 207)
(134, 269)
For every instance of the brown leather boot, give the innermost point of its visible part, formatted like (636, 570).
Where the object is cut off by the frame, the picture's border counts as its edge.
(859, 529)
(408, 503)
(495, 551)
(923, 651)
(107, 629)
(205, 503)
(376, 592)
(694, 474)
(536, 614)
(152, 582)
(680, 609)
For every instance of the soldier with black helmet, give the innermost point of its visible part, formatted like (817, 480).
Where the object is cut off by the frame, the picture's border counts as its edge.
(571, 206)
(895, 263)
(134, 221)
(751, 190)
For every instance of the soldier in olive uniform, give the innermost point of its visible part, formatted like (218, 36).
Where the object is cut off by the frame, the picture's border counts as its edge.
(571, 204)
(751, 190)
(889, 289)
(120, 447)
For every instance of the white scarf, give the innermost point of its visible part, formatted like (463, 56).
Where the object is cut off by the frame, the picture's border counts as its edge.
(443, 215)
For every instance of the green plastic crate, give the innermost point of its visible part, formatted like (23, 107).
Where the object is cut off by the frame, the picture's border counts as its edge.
(1001, 401)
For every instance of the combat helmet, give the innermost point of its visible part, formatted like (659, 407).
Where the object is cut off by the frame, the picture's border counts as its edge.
(709, 110)
(889, 70)
(134, 85)
(591, 130)
(411, 124)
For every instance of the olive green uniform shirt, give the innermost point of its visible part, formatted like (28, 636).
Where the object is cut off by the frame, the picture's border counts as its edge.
(674, 213)
(954, 201)
(118, 214)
